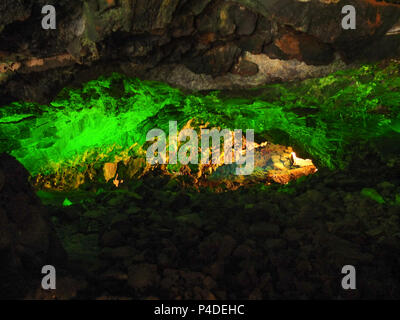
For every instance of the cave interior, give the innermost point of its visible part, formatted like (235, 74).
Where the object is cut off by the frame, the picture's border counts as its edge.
(79, 192)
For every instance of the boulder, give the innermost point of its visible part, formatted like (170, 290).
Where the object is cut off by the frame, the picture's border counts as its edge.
(28, 240)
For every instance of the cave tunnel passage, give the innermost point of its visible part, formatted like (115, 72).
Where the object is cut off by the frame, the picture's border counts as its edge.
(121, 220)
(97, 135)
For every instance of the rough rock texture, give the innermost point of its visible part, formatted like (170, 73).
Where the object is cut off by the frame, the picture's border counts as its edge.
(27, 238)
(197, 44)
(160, 241)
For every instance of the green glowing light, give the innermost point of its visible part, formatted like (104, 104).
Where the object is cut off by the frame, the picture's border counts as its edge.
(67, 203)
(372, 194)
(105, 117)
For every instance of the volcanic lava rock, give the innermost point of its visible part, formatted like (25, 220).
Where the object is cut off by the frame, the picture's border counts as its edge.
(143, 276)
(245, 68)
(183, 41)
(28, 240)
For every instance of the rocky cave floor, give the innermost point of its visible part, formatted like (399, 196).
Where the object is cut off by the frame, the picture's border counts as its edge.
(153, 240)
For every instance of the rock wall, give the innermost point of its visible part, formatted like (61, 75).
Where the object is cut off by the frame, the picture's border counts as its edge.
(28, 240)
(196, 44)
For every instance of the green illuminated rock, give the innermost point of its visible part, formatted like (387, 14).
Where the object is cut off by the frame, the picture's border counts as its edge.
(372, 194)
(107, 119)
(67, 203)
